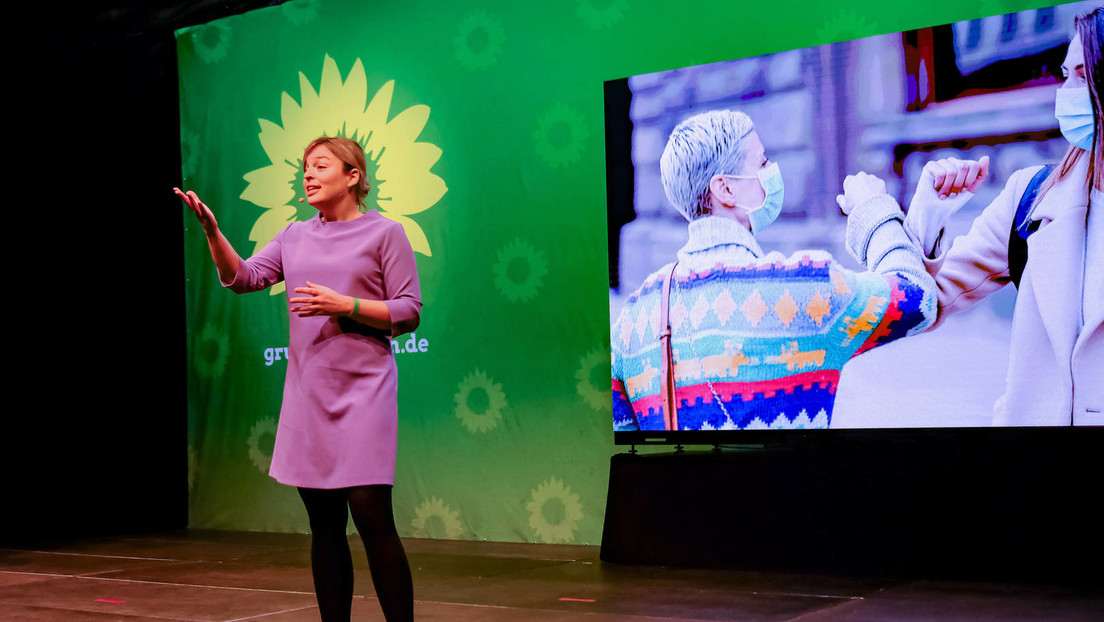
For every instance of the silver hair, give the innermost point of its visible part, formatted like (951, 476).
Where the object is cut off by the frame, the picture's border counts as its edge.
(704, 145)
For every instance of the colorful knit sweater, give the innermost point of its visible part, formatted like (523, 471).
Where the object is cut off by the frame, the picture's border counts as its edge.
(766, 334)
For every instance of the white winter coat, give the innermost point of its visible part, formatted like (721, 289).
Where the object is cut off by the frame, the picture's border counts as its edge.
(1056, 366)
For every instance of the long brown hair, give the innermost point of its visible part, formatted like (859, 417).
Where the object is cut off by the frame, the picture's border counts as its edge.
(352, 155)
(1090, 27)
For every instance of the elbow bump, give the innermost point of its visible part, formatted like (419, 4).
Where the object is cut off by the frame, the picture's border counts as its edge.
(929, 311)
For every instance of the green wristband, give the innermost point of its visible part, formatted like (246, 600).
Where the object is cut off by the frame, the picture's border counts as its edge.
(356, 307)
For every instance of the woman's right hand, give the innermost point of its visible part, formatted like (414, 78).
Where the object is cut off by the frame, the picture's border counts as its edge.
(226, 258)
(202, 213)
(944, 187)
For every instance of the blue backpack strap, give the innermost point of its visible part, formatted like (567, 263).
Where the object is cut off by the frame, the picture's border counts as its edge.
(1023, 227)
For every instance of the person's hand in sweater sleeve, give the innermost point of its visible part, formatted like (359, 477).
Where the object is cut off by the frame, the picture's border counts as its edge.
(877, 239)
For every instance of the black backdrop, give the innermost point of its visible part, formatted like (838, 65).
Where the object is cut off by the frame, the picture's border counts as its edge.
(96, 442)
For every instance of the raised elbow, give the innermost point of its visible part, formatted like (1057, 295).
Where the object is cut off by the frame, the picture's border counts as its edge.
(919, 300)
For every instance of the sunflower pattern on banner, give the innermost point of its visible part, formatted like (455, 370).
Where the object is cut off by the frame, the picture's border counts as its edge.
(433, 518)
(479, 402)
(554, 512)
(479, 39)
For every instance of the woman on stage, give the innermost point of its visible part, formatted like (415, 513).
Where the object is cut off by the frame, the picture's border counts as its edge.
(352, 285)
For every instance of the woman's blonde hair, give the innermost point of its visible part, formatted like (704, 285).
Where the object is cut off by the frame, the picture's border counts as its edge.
(1090, 27)
(352, 155)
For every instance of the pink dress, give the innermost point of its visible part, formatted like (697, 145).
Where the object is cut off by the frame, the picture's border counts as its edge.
(339, 417)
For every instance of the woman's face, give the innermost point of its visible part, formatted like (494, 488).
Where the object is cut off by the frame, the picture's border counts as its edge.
(749, 192)
(325, 180)
(1073, 68)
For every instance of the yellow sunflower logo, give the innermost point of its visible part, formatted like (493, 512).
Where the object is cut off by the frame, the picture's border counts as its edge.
(479, 402)
(554, 511)
(433, 518)
(398, 165)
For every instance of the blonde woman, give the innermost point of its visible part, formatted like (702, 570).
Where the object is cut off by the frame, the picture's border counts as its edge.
(352, 286)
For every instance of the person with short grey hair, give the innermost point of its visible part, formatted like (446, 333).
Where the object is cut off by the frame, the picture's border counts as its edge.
(730, 337)
(699, 148)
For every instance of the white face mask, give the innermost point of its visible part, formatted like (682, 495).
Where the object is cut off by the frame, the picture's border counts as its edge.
(763, 215)
(1074, 111)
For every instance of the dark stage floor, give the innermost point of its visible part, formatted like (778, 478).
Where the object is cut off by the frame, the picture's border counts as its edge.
(233, 576)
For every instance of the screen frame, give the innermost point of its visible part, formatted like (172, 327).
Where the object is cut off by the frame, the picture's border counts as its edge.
(618, 154)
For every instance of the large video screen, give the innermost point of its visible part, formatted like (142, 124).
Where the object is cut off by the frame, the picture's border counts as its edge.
(784, 328)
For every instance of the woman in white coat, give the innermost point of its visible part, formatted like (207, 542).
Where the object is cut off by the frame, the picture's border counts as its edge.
(1056, 366)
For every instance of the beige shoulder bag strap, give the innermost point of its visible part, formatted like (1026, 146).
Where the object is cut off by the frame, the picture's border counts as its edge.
(667, 377)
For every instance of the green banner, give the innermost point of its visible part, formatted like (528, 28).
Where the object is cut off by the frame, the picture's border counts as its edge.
(483, 125)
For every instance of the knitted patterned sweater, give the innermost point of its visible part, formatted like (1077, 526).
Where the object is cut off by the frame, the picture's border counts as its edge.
(766, 334)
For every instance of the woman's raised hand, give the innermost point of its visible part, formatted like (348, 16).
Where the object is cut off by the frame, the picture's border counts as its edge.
(945, 186)
(951, 176)
(858, 188)
(202, 213)
(320, 300)
(222, 252)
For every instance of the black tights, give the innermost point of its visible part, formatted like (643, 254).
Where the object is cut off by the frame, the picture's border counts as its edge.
(332, 563)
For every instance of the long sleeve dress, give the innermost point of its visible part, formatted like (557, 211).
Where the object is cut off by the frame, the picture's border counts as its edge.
(339, 418)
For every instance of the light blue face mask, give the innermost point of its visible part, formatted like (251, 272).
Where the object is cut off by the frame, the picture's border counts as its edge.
(771, 180)
(1073, 109)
